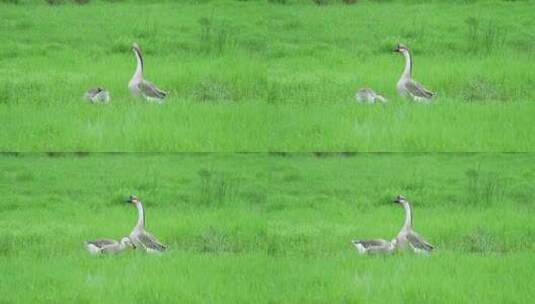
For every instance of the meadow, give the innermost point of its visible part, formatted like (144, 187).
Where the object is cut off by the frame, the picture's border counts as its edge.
(267, 75)
(267, 228)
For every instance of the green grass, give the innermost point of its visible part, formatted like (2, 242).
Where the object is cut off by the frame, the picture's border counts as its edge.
(267, 228)
(260, 76)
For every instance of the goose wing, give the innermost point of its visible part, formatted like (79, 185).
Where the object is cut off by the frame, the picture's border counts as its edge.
(94, 91)
(377, 246)
(418, 90)
(150, 90)
(101, 242)
(418, 242)
(150, 242)
(371, 243)
(366, 95)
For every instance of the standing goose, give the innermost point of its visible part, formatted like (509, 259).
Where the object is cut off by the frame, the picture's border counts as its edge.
(377, 246)
(139, 236)
(369, 95)
(107, 246)
(406, 86)
(139, 86)
(97, 95)
(408, 238)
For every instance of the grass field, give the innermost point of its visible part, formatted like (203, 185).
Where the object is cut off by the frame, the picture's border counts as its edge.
(267, 228)
(261, 76)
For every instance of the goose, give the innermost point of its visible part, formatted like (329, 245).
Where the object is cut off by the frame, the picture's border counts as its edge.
(139, 86)
(377, 246)
(107, 246)
(407, 237)
(369, 95)
(139, 236)
(97, 95)
(406, 86)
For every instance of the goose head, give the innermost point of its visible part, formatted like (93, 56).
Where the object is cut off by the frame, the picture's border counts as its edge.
(401, 48)
(132, 199)
(127, 242)
(136, 48)
(400, 200)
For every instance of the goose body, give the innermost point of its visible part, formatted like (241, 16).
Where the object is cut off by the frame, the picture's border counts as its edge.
(370, 96)
(376, 246)
(407, 238)
(107, 246)
(139, 236)
(139, 86)
(97, 95)
(406, 86)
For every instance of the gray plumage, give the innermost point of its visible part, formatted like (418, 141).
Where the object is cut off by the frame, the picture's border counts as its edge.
(97, 95)
(107, 246)
(149, 242)
(408, 87)
(102, 242)
(139, 236)
(139, 86)
(416, 90)
(376, 246)
(407, 238)
(417, 242)
(149, 90)
(370, 96)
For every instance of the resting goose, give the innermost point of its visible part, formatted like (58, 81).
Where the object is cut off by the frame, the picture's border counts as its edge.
(369, 95)
(97, 95)
(139, 86)
(407, 237)
(139, 236)
(107, 246)
(377, 246)
(406, 86)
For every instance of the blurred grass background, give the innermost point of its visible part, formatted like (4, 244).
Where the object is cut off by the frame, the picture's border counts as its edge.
(267, 75)
(266, 227)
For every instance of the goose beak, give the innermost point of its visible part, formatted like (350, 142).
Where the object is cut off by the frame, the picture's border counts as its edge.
(132, 199)
(400, 199)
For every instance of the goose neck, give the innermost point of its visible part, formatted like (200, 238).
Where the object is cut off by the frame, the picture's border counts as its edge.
(407, 71)
(408, 216)
(138, 74)
(140, 216)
